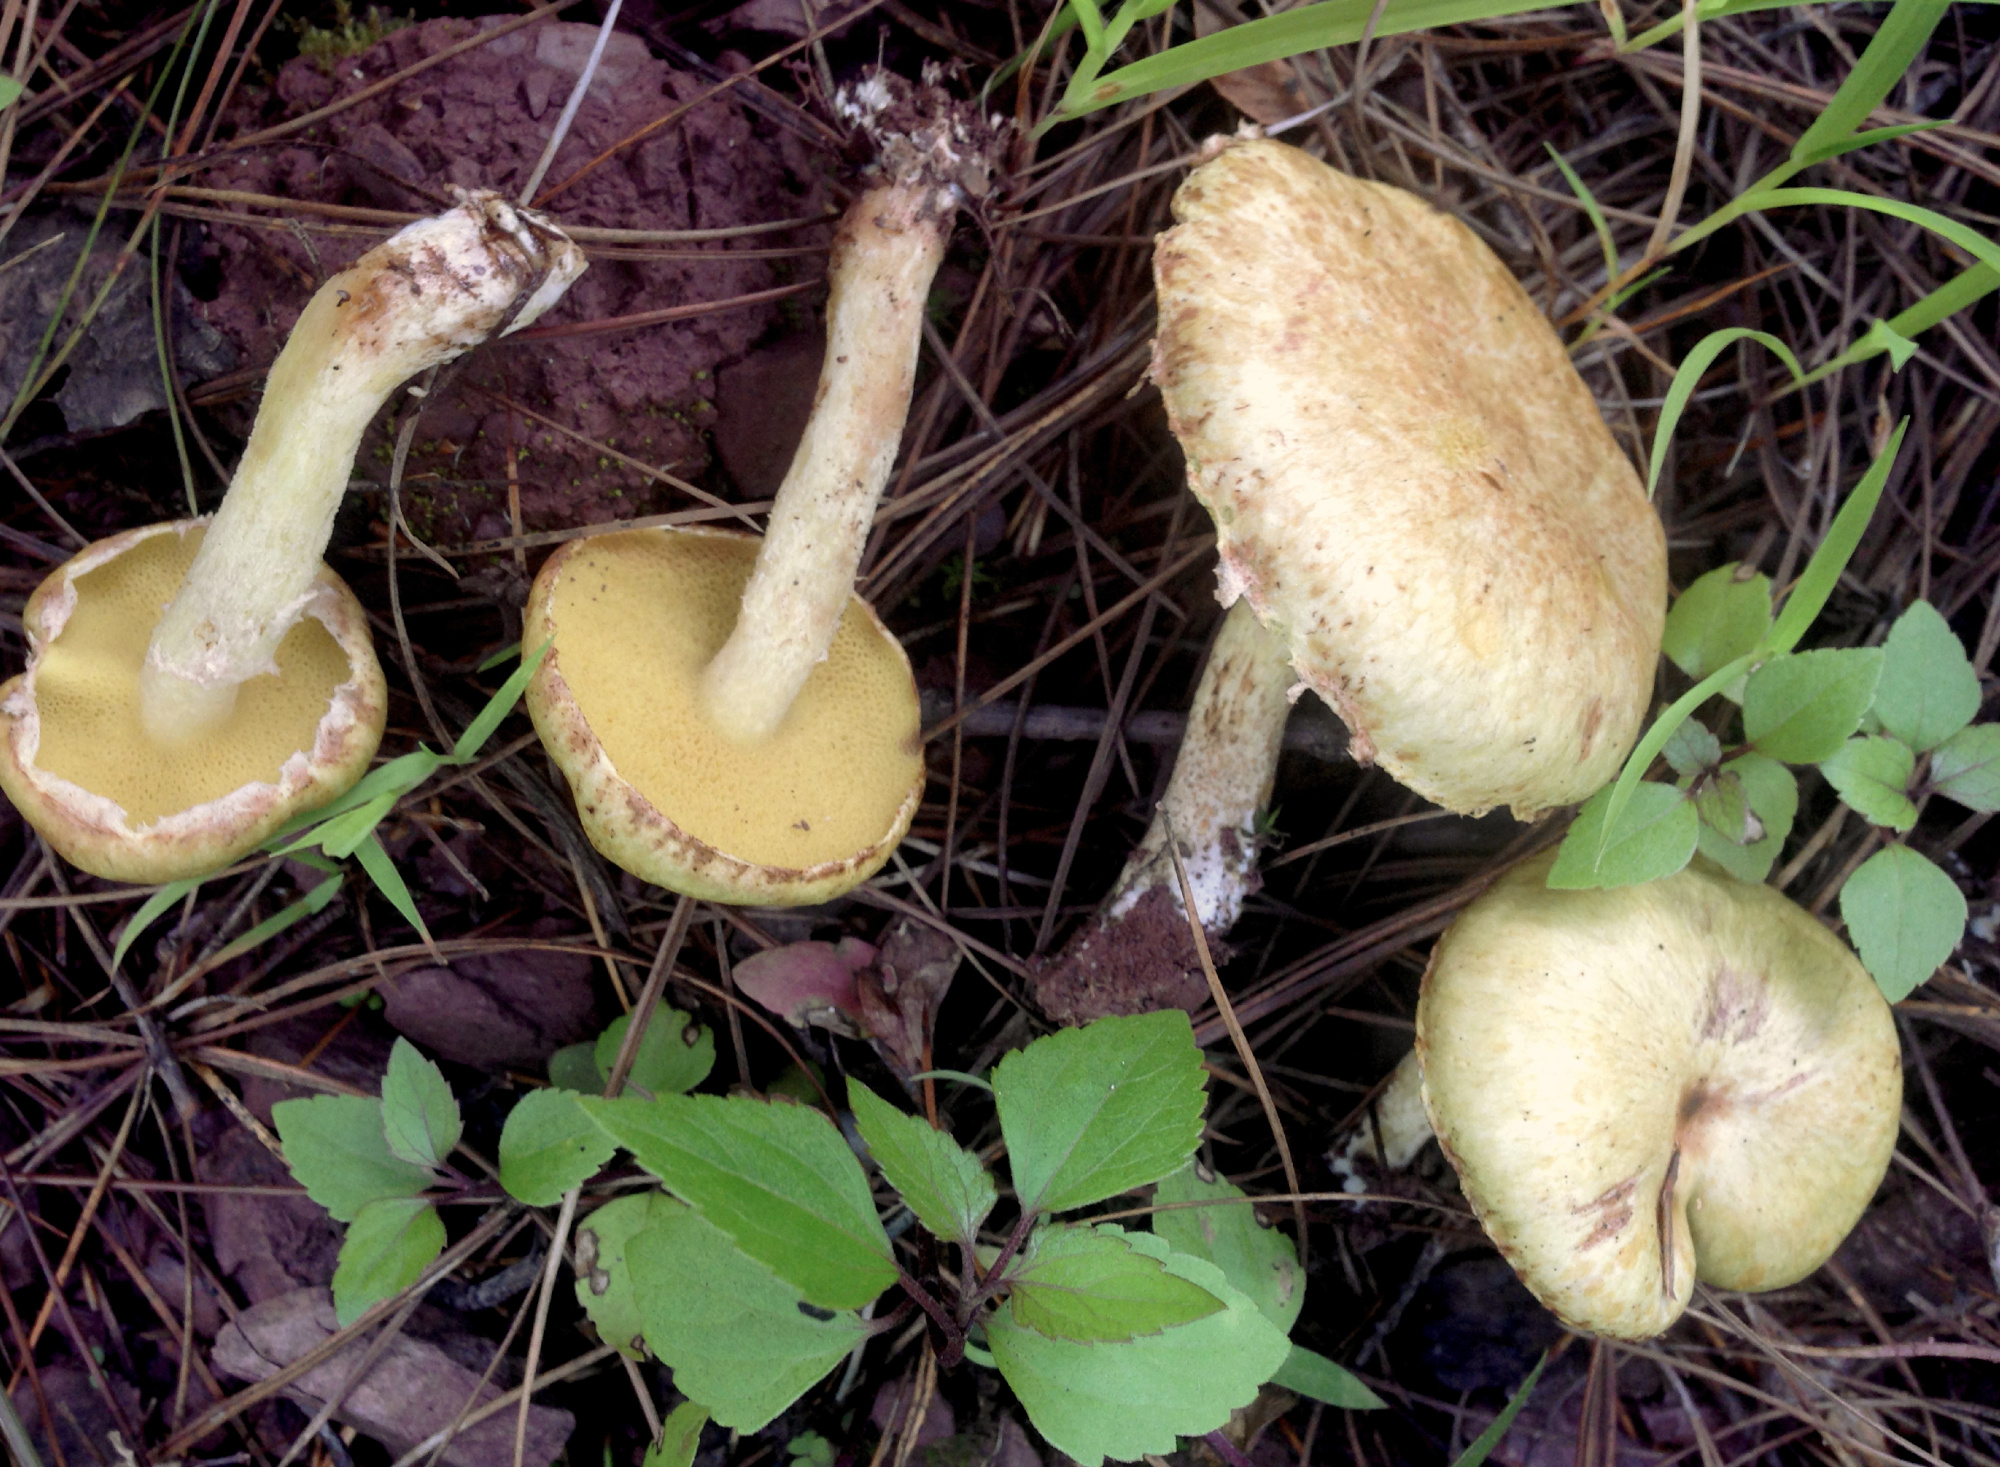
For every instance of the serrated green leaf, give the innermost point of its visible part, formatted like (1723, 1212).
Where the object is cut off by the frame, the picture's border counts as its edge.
(1802, 708)
(680, 1437)
(779, 1180)
(334, 1146)
(1872, 775)
(1773, 793)
(944, 1184)
(1656, 836)
(1928, 690)
(675, 1053)
(549, 1146)
(1258, 1260)
(1905, 917)
(1716, 620)
(390, 1242)
(1078, 1283)
(737, 1338)
(1089, 1113)
(574, 1067)
(419, 1114)
(1692, 749)
(604, 1279)
(1966, 767)
(1724, 807)
(1125, 1399)
(1317, 1378)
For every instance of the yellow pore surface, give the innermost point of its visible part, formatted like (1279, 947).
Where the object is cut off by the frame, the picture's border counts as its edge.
(87, 691)
(638, 615)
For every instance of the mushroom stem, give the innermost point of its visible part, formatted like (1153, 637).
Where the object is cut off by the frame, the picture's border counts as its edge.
(885, 254)
(422, 297)
(1392, 1131)
(1222, 777)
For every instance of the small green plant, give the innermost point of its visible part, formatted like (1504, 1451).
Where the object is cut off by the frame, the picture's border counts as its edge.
(327, 46)
(762, 1262)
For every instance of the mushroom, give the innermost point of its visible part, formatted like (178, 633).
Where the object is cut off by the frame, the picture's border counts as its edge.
(1690, 1078)
(735, 723)
(151, 744)
(1415, 495)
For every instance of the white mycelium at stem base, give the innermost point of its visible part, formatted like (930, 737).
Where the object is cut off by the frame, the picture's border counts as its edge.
(884, 257)
(1222, 777)
(422, 297)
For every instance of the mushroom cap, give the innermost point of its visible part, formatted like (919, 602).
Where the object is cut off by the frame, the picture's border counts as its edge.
(1639, 1087)
(814, 810)
(110, 800)
(1409, 481)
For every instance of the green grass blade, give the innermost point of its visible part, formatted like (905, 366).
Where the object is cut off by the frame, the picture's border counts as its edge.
(1970, 240)
(1664, 728)
(1092, 20)
(149, 912)
(1946, 301)
(1898, 41)
(404, 772)
(1666, 30)
(1596, 215)
(306, 906)
(1275, 37)
(1822, 572)
(1688, 376)
(389, 881)
(1862, 140)
(1488, 1439)
(498, 707)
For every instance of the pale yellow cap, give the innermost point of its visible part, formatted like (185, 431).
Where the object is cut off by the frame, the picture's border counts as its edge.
(801, 817)
(1691, 1078)
(77, 764)
(1409, 481)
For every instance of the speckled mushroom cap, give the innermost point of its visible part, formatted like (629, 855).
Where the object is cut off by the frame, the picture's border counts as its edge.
(1691, 1078)
(799, 817)
(75, 761)
(1409, 481)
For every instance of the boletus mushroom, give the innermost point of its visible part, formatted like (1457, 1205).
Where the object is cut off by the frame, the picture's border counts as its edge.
(1690, 1078)
(735, 723)
(192, 686)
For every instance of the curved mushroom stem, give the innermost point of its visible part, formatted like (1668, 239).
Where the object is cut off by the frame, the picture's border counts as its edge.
(1394, 1130)
(422, 297)
(885, 254)
(1222, 777)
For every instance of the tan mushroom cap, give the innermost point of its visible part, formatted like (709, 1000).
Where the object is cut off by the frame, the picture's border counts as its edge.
(1639, 1087)
(1409, 481)
(799, 817)
(111, 800)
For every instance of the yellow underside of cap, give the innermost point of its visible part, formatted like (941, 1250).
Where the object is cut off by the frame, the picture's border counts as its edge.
(637, 615)
(87, 691)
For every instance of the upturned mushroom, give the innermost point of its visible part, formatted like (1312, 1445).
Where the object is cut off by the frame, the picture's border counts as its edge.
(735, 723)
(1415, 495)
(1690, 1078)
(192, 686)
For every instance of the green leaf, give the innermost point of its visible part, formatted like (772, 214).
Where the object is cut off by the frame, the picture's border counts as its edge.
(1716, 620)
(389, 881)
(1701, 356)
(1872, 776)
(675, 1053)
(151, 909)
(313, 902)
(735, 1336)
(604, 1279)
(1312, 1375)
(1089, 1113)
(498, 706)
(1773, 795)
(1966, 767)
(1962, 290)
(1815, 584)
(1898, 41)
(574, 1067)
(388, 1245)
(1124, 1399)
(549, 1146)
(10, 93)
(1591, 211)
(778, 1180)
(1692, 749)
(1928, 690)
(1488, 1439)
(1724, 807)
(335, 1147)
(419, 1114)
(1655, 739)
(1803, 707)
(1656, 836)
(1258, 1260)
(680, 1437)
(1077, 1283)
(944, 1184)
(1905, 917)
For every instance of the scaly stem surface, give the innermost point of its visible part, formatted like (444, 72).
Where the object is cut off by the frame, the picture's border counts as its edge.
(885, 255)
(428, 294)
